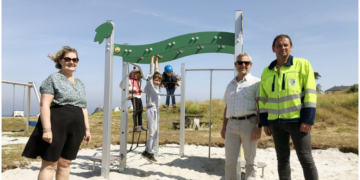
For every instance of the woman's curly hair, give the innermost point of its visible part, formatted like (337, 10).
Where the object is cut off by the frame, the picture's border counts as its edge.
(60, 54)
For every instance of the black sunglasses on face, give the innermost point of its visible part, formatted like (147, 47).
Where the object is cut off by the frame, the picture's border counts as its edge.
(67, 59)
(242, 62)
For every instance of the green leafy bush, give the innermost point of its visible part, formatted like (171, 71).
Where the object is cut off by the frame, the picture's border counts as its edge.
(353, 88)
(193, 108)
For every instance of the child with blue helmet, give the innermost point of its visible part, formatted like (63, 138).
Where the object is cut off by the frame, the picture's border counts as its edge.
(170, 80)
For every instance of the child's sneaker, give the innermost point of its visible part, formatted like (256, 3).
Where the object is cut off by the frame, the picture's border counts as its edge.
(145, 154)
(143, 128)
(174, 106)
(151, 158)
(164, 106)
(137, 129)
(148, 156)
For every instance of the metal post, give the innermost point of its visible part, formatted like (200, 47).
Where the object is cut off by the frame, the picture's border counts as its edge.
(210, 111)
(13, 114)
(182, 110)
(238, 35)
(28, 110)
(109, 52)
(238, 49)
(35, 90)
(156, 148)
(124, 116)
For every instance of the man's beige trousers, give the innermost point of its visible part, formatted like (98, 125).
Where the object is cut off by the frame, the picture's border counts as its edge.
(239, 132)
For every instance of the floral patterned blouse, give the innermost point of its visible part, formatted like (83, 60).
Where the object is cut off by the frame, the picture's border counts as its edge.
(65, 93)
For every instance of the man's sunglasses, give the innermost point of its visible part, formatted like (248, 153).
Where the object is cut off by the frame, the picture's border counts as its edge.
(67, 59)
(242, 62)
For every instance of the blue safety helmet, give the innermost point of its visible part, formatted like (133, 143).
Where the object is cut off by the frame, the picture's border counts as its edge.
(168, 68)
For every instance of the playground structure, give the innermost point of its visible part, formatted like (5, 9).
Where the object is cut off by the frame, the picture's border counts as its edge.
(29, 85)
(170, 49)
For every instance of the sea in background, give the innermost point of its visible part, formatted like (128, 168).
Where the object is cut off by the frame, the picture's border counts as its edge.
(5, 115)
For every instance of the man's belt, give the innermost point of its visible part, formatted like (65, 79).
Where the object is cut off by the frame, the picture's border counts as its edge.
(243, 117)
(152, 106)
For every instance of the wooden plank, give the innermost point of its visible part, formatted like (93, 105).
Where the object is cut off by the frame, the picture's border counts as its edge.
(99, 158)
(168, 133)
(169, 121)
(200, 117)
(259, 164)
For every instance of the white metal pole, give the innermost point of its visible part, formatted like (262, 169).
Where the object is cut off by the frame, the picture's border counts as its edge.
(156, 148)
(238, 35)
(124, 116)
(210, 111)
(28, 110)
(13, 113)
(109, 52)
(182, 110)
(15, 83)
(238, 49)
(35, 90)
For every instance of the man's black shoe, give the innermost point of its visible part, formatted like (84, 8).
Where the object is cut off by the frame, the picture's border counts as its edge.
(145, 154)
(148, 156)
(151, 158)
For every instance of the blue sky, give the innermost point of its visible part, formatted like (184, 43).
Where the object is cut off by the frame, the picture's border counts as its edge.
(324, 32)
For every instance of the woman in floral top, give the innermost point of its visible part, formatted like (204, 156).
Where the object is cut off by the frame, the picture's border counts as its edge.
(63, 121)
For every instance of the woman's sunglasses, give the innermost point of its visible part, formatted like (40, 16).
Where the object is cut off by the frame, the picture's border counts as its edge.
(67, 59)
(243, 62)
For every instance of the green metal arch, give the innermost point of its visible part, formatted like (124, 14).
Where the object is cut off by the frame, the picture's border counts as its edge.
(178, 47)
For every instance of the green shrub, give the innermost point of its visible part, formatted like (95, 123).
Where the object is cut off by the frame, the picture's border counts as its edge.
(353, 88)
(350, 102)
(193, 108)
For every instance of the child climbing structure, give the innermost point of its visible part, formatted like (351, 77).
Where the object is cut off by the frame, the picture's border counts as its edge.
(168, 50)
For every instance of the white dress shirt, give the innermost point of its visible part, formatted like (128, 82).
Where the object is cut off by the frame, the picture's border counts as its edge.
(240, 97)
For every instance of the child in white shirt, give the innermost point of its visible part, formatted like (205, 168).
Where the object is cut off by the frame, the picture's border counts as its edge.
(152, 90)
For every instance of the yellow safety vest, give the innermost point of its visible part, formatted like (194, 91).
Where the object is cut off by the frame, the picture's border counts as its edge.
(289, 96)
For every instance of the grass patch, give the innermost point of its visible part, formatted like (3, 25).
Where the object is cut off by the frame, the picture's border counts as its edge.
(344, 130)
(11, 157)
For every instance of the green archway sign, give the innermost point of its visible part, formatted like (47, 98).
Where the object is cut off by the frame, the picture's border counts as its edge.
(173, 48)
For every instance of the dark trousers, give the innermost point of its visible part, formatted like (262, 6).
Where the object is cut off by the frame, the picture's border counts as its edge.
(138, 109)
(170, 92)
(281, 133)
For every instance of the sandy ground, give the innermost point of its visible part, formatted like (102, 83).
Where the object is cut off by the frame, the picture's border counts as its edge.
(332, 164)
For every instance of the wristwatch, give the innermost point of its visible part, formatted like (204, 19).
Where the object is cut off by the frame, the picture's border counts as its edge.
(259, 125)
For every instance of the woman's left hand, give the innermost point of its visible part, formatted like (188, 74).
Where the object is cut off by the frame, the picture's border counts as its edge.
(87, 137)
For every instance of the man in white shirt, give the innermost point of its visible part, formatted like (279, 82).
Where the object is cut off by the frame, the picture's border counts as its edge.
(241, 120)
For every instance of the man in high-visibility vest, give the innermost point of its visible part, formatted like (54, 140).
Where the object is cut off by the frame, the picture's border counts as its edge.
(287, 105)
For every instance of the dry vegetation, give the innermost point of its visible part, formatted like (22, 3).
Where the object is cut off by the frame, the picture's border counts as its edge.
(336, 125)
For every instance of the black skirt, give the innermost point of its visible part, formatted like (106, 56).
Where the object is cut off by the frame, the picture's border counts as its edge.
(68, 129)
